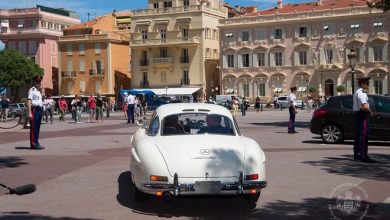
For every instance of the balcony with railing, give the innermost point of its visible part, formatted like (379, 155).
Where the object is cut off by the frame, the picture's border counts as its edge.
(162, 60)
(144, 62)
(176, 10)
(96, 72)
(166, 42)
(185, 59)
(30, 30)
(185, 82)
(94, 37)
(144, 84)
(68, 74)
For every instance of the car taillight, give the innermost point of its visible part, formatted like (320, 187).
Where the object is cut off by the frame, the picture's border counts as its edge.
(319, 113)
(159, 178)
(252, 177)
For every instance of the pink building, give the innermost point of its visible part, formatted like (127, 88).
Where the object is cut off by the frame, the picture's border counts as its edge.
(34, 32)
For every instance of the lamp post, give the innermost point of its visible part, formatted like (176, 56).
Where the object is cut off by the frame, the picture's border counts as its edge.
(352, 56)
(307, 88)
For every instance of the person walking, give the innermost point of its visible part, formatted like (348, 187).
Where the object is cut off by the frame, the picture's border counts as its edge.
(309, 105)
(63, 106)
(143, 105)
(91, 108)
(244, 106)
(125, 105)
(4, 103)
(292, 110)
(234, 104)
(257, 104)
(35, 109)
(48, 105)
(99, 108)
(76, 108)
(130, 108)
(363, 112)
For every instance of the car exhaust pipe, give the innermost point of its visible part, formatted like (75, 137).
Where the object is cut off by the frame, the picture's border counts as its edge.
(168, 196)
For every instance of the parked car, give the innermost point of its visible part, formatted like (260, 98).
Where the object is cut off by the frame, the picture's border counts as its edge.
(283, 101)
(16, 109)
(180, 153)
(334, 119)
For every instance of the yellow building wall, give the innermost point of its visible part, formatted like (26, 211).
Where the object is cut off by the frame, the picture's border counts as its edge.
(120, 57)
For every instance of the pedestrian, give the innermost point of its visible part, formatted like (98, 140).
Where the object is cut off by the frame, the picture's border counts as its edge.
(292, 110)
(137, 108)
(234, 104)
(309, 104)
(363, 112)
(4, 106)
(48, 105)
(244, 106)
(35, 109)
(257, 104)
(76, 108)
(91, 108)
(99, 108)
(125, 105)
(84, 104)
(130, 108)
(63, 106)
(106, 105)
(144, 105)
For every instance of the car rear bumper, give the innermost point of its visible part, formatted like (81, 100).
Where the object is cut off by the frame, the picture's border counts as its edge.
(224, 188)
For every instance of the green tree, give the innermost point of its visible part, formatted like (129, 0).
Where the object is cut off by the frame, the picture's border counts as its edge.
(16, 70)
(340, 88)
(380, 4)
(312, 89)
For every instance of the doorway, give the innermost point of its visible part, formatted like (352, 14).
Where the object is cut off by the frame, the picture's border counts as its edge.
(329, 88)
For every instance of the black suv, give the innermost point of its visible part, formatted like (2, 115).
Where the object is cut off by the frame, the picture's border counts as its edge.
(334, 120)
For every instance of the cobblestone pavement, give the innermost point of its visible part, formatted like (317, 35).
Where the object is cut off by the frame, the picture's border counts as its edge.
(84, 174)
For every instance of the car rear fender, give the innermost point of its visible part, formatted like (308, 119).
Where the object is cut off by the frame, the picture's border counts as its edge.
(254, 159)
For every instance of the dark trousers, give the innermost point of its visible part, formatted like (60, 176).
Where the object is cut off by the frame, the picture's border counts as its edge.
(360, 146)
(35, 126)
(291, 122)
(130, 113)
(243, 110)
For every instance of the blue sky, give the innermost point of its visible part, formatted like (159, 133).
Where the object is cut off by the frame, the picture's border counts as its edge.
(101, 7)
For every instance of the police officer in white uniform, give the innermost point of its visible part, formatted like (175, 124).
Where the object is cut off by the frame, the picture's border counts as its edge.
(362, 110)
(35, 110)
(130, 108)
(292, 110)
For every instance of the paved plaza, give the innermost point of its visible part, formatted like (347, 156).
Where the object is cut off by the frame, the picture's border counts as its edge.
(84, 174)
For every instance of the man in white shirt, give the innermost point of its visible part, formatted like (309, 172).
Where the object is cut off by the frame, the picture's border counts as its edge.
(130, 108)
(35, 109)
(292, 110)
(48, 106)
(362, 110)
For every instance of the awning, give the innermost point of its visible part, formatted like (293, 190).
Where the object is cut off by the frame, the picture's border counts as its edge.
(176, 91)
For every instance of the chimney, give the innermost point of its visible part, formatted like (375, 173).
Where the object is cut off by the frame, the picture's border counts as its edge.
(280, 4)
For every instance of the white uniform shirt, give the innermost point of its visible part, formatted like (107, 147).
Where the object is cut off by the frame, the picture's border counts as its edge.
(48, 103)
(35, 96)
(292, 99)
(359, 98)
(130, 100)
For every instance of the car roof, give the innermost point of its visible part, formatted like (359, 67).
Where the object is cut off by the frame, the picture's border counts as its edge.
(176, 108)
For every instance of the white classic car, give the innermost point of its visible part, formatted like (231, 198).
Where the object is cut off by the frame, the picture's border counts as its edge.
(195, 149)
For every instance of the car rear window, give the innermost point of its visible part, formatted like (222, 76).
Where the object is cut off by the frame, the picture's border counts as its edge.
(347, 103)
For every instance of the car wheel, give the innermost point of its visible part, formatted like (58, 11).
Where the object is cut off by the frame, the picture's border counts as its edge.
(332, 134)
(139, 196)
(252, 197)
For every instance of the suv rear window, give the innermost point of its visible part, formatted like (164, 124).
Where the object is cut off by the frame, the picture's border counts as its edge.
(347, 103)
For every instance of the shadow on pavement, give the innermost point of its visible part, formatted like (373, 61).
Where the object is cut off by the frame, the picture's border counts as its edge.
(234, 208)
(11, 162)
(187, 206)
(349, 143)
(27, 216)
(344, 165)
(298, 124)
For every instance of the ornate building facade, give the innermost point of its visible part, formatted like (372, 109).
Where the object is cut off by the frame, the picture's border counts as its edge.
(265, 53)
(175, 44)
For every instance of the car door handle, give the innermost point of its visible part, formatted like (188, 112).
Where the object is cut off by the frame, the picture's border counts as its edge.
(379, 116)
(345, 113)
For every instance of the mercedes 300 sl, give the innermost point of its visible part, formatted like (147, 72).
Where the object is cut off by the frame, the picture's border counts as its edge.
(195, 149)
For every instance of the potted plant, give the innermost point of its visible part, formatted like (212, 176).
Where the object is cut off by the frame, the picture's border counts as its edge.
(340, 89)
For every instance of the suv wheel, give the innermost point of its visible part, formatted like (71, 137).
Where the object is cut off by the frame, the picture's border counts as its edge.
(332, 134)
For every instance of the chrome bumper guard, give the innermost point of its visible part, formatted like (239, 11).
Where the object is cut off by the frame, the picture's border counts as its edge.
(177, 188)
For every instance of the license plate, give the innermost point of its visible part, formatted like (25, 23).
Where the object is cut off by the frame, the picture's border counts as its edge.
(208, 186)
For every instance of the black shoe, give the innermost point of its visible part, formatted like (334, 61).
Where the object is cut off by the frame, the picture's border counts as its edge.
(356, 158)
(295, 131)
(291, 132)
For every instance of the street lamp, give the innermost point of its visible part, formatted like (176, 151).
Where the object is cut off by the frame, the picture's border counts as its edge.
(352, 56)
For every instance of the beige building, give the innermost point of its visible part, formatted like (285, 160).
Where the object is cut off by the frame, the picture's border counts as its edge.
(306, 45)
(95, 56)
(176, 44)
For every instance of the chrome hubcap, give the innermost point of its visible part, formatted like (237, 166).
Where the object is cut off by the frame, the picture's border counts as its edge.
(331, 133)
